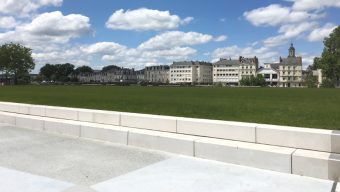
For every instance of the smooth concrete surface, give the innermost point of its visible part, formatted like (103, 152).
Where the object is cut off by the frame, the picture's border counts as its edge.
(303, 138)
(316, 164)
(62, 127)
(153, 122)
(37, 110)
(106, 117)
(16, 181)
(10, 107)
(77, 161)
(248, 154)
(174, 143)
(217, 129)
(61, 113)
(36, 123)
(33, 161)
(7, 118)
(108, 133)
(180, 174)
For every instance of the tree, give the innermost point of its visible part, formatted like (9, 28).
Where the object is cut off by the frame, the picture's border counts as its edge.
(83, 69)
(64, 71)
(330, 58)
(310, 80)
(109, 67)
(59, 72)
(253, 81)
(48, 72)
(16, 60)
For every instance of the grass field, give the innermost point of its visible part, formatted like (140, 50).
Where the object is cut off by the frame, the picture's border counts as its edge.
(318, 108)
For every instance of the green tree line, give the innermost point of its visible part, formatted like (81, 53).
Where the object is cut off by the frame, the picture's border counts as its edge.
(62, 72)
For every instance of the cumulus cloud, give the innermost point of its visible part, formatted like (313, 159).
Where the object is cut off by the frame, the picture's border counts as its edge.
(25, 7)
(7, 22)
(314, 5)
(145, 19)
(319, 34)
(104, 48)
(221, 38)
(293, 30)
(175, 39)
(48, 28)
(276, 14)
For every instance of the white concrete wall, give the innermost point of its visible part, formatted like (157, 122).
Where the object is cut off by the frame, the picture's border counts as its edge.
(217, 129)
(153, 122)
(302, 151)
(174, 143)
(316, 164)
(283, 159)
(249, 154)
(303, 138)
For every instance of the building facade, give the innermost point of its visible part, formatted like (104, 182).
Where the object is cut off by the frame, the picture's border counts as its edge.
(191, 72)
(231, 71)
(140, 75)
(248, 67)
(116, 75)
(226, 71)
(290, 70)
(157, 74)
(270, 74)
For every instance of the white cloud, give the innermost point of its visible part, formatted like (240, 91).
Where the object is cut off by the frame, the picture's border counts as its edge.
(25, 7)
(293, 30)
(7, 22)
(314, 4)
(48, 28)
(275, 41)
(57, 27)
(271, 15)
(320, 33)
(175, 39)
(221, 38)
(275, 14)
(104, 48)
(145, 19)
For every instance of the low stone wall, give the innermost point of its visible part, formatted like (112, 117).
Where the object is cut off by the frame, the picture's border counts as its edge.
(302, 151)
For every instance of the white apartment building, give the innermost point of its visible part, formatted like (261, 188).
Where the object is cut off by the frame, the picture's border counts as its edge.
(231, 71)
(269, 73)
(193, 72)
(157, 74)
(226, 71)
(290, 70)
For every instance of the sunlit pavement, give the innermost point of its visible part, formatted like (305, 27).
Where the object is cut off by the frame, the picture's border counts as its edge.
(33, 161)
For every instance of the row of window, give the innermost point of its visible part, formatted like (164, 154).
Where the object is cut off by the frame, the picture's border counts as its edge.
(289, 67)
(226, 70)
(226, 74)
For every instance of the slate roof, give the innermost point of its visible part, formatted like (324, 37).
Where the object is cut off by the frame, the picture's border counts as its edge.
(291, 61)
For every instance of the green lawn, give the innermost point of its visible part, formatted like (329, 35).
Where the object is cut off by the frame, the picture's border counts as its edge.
(318, 108)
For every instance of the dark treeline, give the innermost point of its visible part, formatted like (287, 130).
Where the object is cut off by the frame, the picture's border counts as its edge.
(62, 72)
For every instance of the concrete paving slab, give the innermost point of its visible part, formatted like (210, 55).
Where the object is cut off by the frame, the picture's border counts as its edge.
(79, 161)
(185, 174)
(15, 181)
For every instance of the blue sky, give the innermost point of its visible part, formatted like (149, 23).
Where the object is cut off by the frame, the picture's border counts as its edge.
(136, 33)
